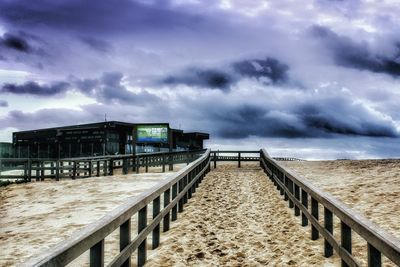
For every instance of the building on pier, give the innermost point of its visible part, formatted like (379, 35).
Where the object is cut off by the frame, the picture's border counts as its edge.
(6, 150)
(103, 138)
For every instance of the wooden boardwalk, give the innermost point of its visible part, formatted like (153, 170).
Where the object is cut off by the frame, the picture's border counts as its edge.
(244, 206)
(237, 218)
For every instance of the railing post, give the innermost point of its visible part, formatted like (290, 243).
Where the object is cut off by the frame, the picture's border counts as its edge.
(98, 168)
(285, 183)
(174, 214)
(125, 239)
(185, 182)
(345, 234)
(137, 159)
(97, 255)
(181, 201)
(111, 167)
(90, 168)
(147, 164)
(215, 160)
(105, 167)
(304, 202)
(297, 196)
(190, 191)
(37, 171)
(374, 257)
(156, 230)
(314, 213)
(29, 170)
(239, 156)
(52, 168)
(171, 162)
(42, 173)
(57, 170)
(163, 162)
(142, 250)
(73, 170)
(125, 166)
(167, 198)
(328, 223)
(290, 184)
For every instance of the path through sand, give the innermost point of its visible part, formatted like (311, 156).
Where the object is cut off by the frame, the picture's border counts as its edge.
(237, 218)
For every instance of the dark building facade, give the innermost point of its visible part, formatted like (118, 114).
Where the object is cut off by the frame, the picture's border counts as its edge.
(103, 138)
(6, 150)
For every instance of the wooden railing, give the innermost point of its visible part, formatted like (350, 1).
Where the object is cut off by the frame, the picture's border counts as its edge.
(299, 193)
(174, 191)
(73, 168)
(286, 159)
(234, 155)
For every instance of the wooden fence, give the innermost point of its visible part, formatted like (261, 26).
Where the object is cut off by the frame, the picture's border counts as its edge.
(73, 168)
(174, 191)
(298, 192)
(234, 155)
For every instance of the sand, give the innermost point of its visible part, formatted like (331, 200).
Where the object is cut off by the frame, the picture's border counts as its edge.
(237, 218)
(37, 215)
(371, 187)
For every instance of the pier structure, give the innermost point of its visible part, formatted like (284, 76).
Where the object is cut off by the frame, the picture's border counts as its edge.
(103, 138)
(170, 196)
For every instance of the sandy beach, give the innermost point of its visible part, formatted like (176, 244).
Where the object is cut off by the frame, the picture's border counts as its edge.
(36, 216)
(237, 218)
(371, 187)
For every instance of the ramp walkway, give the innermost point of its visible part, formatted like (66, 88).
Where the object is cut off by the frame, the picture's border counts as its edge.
(237, 218)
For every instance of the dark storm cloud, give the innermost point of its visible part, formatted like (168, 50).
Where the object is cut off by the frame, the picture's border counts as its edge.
(15, 42)
(274, 71)
(248, 120)
(3, 104)
(93, 16)
(109, 88)
(323, 117)
(96, 44)
(33, 88)
(208, 78)
(106, 89)
(258, 68)
(357, 55)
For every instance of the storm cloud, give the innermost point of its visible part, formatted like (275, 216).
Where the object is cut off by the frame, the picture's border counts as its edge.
(33, 88)
(272, 73)
(358, 55)
(311, 120)
(268, 71)
(15, 42)
(109, 88)
(88, 16)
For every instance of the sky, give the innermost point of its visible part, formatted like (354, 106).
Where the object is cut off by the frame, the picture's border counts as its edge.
(311, 79)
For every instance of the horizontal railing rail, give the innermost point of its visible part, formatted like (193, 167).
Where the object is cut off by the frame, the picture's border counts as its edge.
(73, 168)
(226, 155)
(298, 192)
(175, 192)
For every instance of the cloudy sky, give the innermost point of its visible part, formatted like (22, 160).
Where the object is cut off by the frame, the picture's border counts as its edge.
(312, 79)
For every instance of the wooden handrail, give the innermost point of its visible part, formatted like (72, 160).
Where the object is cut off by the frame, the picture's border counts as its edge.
(93, 234)
(378, 240)
(86, 167)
